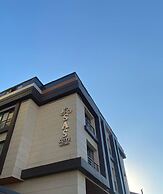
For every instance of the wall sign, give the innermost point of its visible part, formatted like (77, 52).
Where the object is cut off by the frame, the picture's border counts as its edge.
(65, 139)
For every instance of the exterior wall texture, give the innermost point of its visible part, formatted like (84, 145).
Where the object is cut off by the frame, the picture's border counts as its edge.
(48, 130)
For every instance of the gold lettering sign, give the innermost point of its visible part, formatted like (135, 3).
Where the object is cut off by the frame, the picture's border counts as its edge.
(65, 139)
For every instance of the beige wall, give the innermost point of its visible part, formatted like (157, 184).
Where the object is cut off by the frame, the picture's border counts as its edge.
(62, 183)
(36, 136)
(48, 131)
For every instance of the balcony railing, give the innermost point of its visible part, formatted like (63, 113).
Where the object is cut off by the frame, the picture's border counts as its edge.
(93, 164)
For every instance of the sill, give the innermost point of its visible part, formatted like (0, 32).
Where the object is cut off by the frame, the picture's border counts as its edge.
(91, 134)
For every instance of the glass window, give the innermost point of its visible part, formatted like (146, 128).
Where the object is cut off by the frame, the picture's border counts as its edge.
(91, 157)
(6, 118)
(89, 122)
(90, 153)
(114, 175)
(109, 145)
(1, 146)
(87, 119)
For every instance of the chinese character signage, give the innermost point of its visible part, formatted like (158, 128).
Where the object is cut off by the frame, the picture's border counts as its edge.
(65, 139)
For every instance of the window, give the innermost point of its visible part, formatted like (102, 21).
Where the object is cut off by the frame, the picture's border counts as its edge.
(6, 118)
(90, 153)
(89, 123)
(109, 145)
(87, 119)
(91, 157)
(1, 146)
(115, 182)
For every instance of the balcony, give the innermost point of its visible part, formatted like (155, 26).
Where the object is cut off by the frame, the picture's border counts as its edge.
(93, 164)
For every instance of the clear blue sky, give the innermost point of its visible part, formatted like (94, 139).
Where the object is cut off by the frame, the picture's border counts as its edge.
(116, 47)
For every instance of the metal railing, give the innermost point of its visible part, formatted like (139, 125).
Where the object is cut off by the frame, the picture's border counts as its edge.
(93, 164)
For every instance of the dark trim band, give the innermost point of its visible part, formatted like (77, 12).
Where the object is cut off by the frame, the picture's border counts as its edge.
(65, 166)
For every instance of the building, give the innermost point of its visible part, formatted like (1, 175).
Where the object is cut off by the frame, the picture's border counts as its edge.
(53, 139)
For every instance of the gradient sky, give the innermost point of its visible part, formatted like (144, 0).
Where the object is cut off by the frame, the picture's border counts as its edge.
(116, 47)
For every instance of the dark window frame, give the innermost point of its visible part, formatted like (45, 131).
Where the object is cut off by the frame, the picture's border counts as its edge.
(111, 149)
(89, 118)
(9, 134)
(2, 142)
(3, 112)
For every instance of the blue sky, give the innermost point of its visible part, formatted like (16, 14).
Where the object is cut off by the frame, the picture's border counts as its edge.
(116, 47)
